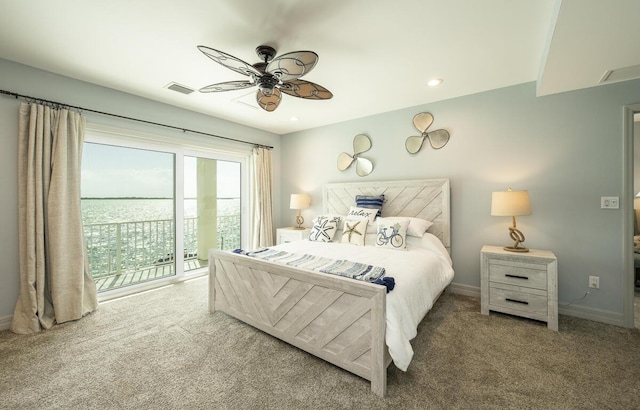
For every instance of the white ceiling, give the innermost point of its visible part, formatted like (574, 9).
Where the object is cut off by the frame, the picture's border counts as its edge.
(375, 56)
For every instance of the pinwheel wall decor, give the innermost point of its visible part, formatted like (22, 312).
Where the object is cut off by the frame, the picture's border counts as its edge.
(272, 75)
(361, 143)
(437, 138)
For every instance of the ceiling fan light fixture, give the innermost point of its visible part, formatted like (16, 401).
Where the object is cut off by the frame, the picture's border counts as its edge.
(266, 91)
(269, 102)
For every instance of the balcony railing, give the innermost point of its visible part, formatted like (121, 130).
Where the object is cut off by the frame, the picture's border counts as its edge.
(127, 247)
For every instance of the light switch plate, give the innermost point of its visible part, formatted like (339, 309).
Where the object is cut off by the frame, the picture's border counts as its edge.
(609, 202)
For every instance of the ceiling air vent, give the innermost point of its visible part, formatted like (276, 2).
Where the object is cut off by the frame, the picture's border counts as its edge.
(247, 100)
(180, 88)
(620, 74)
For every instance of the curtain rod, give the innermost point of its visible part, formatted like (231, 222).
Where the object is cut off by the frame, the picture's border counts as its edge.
(27, 98)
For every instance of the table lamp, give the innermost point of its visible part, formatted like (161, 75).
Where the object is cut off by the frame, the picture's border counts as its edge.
(512, 203)
(299, 202)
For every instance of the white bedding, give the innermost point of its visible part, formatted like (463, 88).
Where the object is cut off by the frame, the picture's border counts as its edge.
(421, 273)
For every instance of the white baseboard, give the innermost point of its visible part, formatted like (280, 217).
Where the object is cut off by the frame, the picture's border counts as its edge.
(597, 315)
(5, 322)
(465, 290)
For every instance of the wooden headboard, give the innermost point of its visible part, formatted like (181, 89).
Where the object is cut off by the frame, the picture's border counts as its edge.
(421, 198)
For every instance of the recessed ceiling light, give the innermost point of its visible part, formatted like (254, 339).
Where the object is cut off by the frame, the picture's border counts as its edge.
(434, 82)
(294, 118)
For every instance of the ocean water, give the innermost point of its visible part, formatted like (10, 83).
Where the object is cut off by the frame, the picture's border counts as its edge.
(112, 210)
(125, 235)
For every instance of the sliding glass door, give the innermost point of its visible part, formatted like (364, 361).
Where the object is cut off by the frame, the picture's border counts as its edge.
(128, 214)
(152, 211)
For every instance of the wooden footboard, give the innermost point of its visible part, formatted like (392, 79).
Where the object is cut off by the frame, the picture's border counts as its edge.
(337, 319)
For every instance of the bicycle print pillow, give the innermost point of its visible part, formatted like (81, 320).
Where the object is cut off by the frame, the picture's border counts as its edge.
(324, 228)
(392, 233)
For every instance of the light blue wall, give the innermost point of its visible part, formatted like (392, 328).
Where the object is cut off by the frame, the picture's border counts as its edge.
(566, 149)
(33, 82)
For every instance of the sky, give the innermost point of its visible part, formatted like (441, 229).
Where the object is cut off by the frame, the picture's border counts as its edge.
(111, 172)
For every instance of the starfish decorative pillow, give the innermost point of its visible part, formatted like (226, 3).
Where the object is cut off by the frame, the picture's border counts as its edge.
(324, 228)
(354, 230)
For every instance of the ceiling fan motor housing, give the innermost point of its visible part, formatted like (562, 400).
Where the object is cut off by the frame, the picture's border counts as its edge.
(267, 83)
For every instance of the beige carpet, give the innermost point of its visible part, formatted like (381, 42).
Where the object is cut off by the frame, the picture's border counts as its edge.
(163, 350)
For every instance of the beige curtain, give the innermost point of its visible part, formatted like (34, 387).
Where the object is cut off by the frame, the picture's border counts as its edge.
(55, 284)
(263, 232)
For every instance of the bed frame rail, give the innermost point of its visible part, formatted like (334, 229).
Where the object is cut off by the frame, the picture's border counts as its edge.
(337, 319)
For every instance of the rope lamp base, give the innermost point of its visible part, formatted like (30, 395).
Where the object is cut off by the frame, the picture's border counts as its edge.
(518, 238)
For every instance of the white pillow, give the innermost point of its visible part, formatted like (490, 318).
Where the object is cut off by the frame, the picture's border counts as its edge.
(355, 213)
(392, 233)
(417, 226)
(324, 228)
(354, 230)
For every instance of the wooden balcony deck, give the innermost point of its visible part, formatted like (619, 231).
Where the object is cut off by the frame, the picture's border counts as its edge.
(145, 274)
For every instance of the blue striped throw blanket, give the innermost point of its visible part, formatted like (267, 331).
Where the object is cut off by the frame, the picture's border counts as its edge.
(353, 270)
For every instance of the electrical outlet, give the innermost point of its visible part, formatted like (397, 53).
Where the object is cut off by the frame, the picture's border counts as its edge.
(594, 282)
(609, 202)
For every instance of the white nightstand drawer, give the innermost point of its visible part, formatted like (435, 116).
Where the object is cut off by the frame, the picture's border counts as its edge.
(518, 299)
(519, 274)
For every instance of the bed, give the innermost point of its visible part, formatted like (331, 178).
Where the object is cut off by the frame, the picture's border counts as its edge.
(343, 321)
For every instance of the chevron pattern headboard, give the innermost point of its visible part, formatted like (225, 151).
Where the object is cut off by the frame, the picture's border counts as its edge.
(422, 198)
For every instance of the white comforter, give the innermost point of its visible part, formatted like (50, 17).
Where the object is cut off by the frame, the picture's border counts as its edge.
(420, 273)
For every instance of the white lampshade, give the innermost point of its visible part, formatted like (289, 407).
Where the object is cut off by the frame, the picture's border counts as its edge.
(510, 203)
(299, 201)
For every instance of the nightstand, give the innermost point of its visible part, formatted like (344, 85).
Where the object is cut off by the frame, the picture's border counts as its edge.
(522, 284)
(291, 234)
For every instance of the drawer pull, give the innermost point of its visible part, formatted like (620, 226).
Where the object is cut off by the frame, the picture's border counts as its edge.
(517, 301)
(516, 276)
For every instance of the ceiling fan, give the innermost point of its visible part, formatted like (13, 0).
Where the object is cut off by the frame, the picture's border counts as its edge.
(273, 76)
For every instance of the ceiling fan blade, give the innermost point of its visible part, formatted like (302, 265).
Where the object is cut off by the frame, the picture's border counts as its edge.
(229, 61)
(305, 89)
(269, 102)
(422, 121)
(226, 86)
(292, 66)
